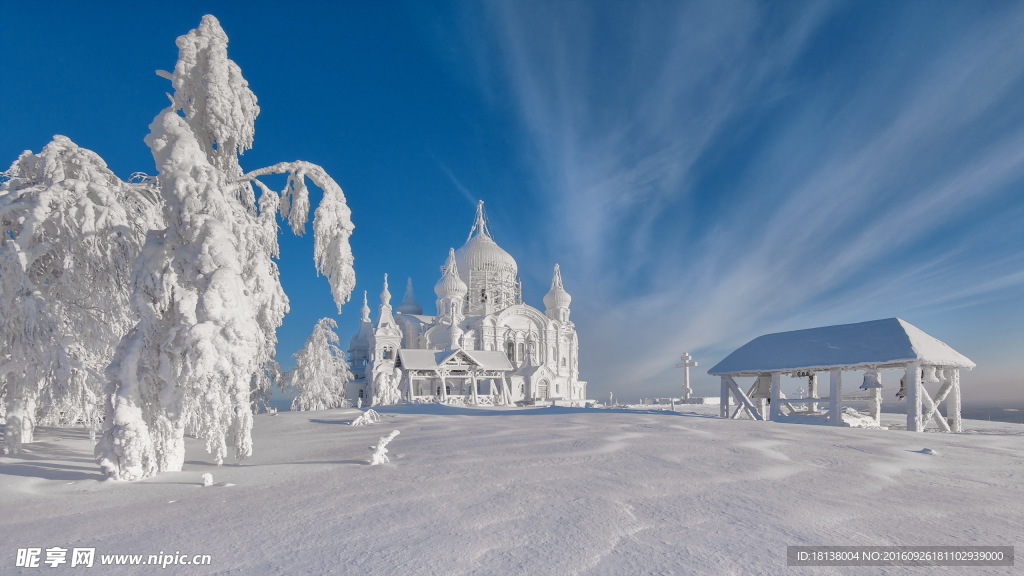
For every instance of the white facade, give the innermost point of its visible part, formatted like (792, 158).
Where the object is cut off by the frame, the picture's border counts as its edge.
(487, 345)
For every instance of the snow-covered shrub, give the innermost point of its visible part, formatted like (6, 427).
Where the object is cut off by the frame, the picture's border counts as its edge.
(320, 372)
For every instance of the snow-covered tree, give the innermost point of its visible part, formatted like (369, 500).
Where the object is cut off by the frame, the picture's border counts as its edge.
(207, 291)
(69, 231)
(320, 372)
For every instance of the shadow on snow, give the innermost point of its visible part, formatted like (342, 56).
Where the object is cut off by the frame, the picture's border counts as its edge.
(39, 459)
(446, 410)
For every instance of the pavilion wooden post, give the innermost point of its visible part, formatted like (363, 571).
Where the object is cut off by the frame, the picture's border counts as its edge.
(835, 399)
(506, 390)
(744, 401)
(912, 383)
(472, 382)
(723, 404)
(930, 406)
(953, 401)
(775, 397)
(812, 391)
(760, 393)
(875, 405)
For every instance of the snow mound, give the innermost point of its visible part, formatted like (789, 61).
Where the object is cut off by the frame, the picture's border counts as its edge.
(856, 419)
(369, 417)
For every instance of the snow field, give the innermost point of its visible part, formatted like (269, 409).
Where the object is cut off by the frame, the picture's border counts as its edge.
(537, 491)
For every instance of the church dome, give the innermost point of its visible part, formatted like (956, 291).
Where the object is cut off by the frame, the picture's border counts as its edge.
(450, 285)
(557, 297)
(409, 304)
(480, 256)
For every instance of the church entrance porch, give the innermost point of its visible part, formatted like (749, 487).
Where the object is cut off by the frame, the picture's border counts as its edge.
(542, 390)
(454, 376)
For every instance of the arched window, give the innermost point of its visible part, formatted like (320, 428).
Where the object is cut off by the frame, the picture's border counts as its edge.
(563, 361)
(522, 351)
(558, 388)
(361, 394)
(510, 351)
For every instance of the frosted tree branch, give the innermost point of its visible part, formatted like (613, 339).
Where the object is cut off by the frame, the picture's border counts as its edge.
(332, 221)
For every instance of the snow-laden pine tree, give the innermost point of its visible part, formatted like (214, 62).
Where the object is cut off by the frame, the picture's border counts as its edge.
(69, 232)
(207, 291)
(320, 372)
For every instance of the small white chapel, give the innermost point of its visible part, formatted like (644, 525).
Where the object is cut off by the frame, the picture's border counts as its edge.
(484, 345)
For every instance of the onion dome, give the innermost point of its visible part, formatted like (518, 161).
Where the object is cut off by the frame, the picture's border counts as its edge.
(385, 294)
(365, 310)
(450, 286)
(557, 297)
(409, 304)
(362, 337)
(480, 256)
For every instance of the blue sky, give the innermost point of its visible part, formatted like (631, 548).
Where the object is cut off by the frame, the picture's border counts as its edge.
(703, 172)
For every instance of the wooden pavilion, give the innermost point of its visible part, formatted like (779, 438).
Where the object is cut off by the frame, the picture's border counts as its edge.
(871, 347)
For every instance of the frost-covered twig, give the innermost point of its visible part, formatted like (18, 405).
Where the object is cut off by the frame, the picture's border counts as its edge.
(380, 452)
(332, 221)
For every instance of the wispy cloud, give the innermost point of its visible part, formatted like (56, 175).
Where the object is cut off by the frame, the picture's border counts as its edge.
(711, 180)
(466, 192)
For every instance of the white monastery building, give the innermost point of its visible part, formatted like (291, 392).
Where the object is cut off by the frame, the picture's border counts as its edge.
(484, 345)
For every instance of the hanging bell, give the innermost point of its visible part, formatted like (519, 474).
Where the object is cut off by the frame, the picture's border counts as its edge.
(872, 379)
(928, 375)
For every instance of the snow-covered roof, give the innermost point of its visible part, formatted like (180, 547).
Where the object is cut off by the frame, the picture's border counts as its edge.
(490, 360)
(878, 343)
(431, 359)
